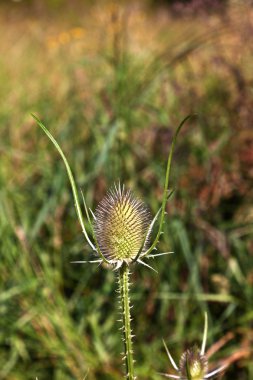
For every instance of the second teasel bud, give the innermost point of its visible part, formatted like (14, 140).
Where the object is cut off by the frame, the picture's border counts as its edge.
(193, 365)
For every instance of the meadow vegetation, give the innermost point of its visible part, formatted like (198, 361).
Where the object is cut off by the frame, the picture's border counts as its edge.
(112, 81)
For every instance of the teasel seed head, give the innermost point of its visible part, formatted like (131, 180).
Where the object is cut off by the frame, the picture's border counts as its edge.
(121, 225)
(193, 365)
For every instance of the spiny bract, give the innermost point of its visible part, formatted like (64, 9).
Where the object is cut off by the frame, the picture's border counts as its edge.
(121, 225)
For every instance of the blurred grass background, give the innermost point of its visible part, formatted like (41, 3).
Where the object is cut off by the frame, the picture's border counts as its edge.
(111, 81)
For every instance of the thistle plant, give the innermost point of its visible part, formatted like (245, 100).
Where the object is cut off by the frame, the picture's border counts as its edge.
(121, 230)
(193, 363)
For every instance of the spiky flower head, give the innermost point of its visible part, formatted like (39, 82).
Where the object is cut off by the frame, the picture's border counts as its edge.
(121, 225)
(193, 365)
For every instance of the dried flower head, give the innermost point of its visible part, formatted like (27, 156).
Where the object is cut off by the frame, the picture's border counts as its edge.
(121, 225)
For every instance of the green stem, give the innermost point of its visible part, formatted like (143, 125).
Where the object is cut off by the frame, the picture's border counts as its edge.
(126, 320)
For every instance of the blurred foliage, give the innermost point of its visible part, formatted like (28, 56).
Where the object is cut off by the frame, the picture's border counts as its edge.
(112, 81)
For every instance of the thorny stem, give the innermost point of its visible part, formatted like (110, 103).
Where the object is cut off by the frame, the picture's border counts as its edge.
(126, 320)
